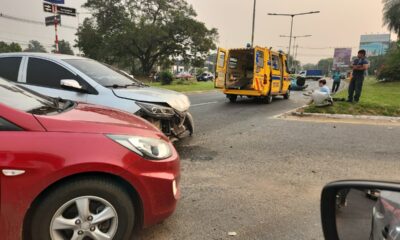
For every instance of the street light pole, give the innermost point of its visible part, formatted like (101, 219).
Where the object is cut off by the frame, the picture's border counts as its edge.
(254, 23)
(291, 24)
(290, 40)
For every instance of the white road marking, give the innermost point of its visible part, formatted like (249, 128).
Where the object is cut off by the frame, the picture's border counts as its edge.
(202, 104)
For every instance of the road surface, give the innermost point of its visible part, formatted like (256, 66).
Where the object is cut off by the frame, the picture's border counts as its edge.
(246, 172)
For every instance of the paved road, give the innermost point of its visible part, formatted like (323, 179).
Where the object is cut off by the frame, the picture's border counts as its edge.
(261, 177)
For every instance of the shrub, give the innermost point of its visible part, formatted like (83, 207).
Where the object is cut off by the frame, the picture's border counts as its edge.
(166, 78)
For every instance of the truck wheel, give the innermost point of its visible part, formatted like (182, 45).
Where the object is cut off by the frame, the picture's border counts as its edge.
(268, 99)
(287, 95)
(87, 208)
(232, 98)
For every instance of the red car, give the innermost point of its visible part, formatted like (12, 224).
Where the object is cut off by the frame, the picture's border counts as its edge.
(78, 171)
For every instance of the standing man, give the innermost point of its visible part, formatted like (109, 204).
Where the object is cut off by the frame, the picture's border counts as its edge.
(337, 78)
(360, 65)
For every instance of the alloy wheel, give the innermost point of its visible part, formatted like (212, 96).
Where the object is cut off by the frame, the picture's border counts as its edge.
(84, 218)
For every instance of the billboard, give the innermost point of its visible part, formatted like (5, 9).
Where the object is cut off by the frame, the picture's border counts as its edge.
(342, 57)
(375, 44)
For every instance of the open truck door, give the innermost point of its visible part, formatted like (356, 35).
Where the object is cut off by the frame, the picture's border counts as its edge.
(259, 78)
(276, 76)
(285, 75)
(220, 71)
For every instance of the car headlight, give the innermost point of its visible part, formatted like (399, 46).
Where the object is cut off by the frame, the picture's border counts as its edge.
(156, 110)
(151, 148)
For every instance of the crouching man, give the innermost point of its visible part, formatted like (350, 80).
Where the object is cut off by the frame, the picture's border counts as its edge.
(322, 97)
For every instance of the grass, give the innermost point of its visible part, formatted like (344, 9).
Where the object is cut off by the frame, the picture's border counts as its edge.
(186, 86)
(378, 98)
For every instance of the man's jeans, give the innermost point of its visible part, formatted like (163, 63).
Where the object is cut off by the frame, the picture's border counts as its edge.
(356, 85)
(335, 87)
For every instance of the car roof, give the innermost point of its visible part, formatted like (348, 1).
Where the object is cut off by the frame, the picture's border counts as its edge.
(44, 55)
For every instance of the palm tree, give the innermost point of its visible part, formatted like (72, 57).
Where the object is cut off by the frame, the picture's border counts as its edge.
(391, 15)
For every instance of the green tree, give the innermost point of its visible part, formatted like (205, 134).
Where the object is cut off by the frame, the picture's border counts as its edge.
(64, 48)
(391, 15)
(12, 47)
(389, 69)
(309, 66)
(35, 46)
(151, 31)
(325, 65)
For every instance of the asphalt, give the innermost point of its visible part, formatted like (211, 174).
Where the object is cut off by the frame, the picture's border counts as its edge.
(245, 171)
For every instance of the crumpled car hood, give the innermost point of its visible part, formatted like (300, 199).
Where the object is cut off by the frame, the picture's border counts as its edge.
(176, 100)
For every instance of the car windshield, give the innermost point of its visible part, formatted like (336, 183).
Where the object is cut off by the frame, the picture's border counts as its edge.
(21, 99)
(103, 74)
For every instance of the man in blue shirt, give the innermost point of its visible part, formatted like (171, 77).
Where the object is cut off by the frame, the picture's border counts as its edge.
(359, 66)
(337, 78)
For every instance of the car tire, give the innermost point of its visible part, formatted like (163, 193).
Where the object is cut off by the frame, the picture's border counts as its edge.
(232, 98)
(98, 195)
(268, 99)
(287, 94)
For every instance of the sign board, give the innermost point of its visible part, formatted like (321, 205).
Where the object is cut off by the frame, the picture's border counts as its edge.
(50, 21)
(56, 1)
(342, 58)
(48, 7)
(375, 44)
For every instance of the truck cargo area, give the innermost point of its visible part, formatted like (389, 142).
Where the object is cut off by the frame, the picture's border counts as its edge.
(240, 69)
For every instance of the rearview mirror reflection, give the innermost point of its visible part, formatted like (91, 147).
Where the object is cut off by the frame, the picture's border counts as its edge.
(372, 214)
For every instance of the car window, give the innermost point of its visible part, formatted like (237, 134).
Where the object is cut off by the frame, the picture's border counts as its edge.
(221, 59)
(275, 62)
(16, 97)
(8, 126)
(47, 74)
(260, 59)
(9, 68)
(100, 73)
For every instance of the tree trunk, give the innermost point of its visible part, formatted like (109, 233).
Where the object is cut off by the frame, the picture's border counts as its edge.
(146, 67)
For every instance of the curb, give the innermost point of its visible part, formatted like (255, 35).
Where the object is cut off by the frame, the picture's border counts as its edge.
(346, 116)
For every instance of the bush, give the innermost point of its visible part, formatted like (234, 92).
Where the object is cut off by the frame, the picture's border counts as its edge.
(390, 70)
(166, 78)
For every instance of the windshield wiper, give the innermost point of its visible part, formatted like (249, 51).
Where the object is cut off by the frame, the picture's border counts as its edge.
(126, 86)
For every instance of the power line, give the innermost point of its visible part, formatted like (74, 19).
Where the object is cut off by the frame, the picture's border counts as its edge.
(2, 15)
(320, 48)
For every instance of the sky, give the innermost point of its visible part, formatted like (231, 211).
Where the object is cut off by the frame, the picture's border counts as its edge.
(340, 23)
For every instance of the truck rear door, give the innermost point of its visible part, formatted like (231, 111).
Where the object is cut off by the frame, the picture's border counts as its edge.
(259, 69)
(220, 71)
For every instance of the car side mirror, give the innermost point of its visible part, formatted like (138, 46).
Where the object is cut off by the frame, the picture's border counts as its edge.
(72, 84)
(361, 210)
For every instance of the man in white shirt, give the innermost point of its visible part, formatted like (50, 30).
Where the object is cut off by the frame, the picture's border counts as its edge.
(322, 97)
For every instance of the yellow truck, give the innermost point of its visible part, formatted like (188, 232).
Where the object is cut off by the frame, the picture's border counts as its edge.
(252, 72)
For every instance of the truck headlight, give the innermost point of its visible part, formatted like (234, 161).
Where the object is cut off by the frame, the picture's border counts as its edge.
(151, 148)
(156, 110)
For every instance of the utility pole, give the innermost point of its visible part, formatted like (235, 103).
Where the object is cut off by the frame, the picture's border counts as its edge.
(291, 24)
(254, 23)
(57, 50)
(294, 46)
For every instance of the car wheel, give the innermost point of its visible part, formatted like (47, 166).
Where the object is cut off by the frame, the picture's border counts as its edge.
(232, 98)
(287, 94)
(84, 209)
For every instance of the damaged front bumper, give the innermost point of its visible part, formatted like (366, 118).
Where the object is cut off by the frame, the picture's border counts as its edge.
(176, 127)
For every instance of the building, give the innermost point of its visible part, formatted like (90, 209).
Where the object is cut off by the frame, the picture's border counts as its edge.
(375, 44)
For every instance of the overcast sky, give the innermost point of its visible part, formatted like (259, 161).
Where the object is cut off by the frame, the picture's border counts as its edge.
(340, 23)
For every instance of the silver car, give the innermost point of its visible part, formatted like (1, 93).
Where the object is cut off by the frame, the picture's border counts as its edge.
(85, 80)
